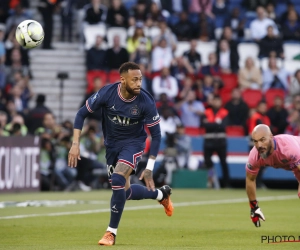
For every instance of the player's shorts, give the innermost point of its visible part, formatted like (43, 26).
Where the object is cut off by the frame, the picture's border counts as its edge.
(129, 154)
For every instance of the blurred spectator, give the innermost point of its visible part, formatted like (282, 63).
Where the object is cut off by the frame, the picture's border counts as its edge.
(220, 8)
(138, 37)
(34, 118)
(154, 15)
(3, 122)
(213, 67)
(293, 127)
(183, 28)
(117, 15)
(66, 13)
(16, 97)
(258, 27)
(183, 145)
(278, 116)
(46, 9)
(295, 84)
(236, 22)
(142, 54)
(161, 56)
(16, 66)
(168, 121)
(4, 10)
(49, 130)
(201, 6)
(175, 6)
(11, 109)
(146, 80)
(228, 36)
(291, 27)
(2, 58)
(165, 83)
(211, 85)
(284, 15)
(90, 145)
(64, 175)
(271, 43)
(215, 122)
(204, 30)
(165, 102)
(17, 126)
(259, 117)
(116, 55)
(95, 12)
(16, 18)
(166, 34)
(186, 85)
(227, 59)
(238, 110)
(96, 56)
(252, 5)
(275, 77)
(47, 161)
(270, 9)
(193, 57)
(2, 101)
(138, 13)
(191, 110)
(11, 43)
(180, 69)
(250, 77)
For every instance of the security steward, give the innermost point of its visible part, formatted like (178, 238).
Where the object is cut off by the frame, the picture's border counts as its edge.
(214, 122)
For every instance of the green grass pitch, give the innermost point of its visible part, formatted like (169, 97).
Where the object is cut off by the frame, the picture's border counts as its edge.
(202, 219)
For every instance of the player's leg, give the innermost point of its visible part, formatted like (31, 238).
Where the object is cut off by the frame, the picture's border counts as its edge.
(118, 181)
(132, 154)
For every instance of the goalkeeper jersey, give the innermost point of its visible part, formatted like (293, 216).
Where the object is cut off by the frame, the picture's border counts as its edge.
(286, 155)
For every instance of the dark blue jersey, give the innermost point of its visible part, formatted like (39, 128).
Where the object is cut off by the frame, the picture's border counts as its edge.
(124, 120)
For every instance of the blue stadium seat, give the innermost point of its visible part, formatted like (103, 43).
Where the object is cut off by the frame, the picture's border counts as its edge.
(219, 21)
(235, 2)
(280, 9)
(129, 3)
(297, 8)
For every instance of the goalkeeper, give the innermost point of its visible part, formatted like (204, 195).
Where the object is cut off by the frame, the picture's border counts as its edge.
(280, 151)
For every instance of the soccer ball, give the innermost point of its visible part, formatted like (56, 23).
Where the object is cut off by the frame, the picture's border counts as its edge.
(29, 34)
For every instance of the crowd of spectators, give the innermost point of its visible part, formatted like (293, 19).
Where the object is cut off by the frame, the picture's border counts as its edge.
(183, 85)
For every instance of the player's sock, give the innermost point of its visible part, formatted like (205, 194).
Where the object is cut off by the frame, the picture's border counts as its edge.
(118, 199)
(139, 192)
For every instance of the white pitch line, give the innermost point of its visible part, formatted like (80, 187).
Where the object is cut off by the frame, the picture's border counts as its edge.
(182, 204)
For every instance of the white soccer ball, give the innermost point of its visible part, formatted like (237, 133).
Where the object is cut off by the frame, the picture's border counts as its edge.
(29, 34)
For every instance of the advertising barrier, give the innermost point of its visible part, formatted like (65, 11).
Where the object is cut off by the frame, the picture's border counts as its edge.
(19, 164)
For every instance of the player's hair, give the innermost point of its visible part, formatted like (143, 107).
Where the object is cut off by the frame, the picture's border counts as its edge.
(128, 66)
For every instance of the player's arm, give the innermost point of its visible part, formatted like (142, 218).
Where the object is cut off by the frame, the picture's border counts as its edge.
(251, 186)
(152, 122)
(74, 153)
(92, 104)
(297, 175)
(255, 212)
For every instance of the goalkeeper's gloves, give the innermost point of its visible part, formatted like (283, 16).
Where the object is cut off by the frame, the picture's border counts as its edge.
(255, 213)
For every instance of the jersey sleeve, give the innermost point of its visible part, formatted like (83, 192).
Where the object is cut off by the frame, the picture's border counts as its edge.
(97, 100)
(151, 115)
(293, 154)
(252, 165)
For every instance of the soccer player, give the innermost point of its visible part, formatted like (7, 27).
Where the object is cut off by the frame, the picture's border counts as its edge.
(126, 109)
(279, 151)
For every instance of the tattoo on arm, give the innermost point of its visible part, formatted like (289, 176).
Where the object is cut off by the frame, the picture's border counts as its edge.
(123, 169)
(147, 174)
